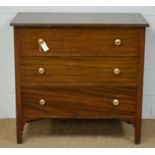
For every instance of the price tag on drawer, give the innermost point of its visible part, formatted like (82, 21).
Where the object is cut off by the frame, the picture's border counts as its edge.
(43, 46)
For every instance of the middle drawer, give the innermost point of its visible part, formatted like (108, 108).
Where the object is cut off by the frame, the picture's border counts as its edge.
(80, 70)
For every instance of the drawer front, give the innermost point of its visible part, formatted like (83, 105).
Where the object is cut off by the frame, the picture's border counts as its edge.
(80, 42)
(80, 71)
(77, 101)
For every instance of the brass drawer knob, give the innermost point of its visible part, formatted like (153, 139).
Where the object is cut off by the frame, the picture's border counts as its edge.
(116, 71)
(118, 42)
(115, 102)
(41, 70)
(42, 102)
(42, 45)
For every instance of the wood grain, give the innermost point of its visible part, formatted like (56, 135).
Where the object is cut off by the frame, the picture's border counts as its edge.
(80, 70)
(75, 102)
(19, 106)
(138, 118)
(79, 42)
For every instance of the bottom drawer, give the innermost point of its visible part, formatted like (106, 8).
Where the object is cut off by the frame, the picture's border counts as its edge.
(76, 102)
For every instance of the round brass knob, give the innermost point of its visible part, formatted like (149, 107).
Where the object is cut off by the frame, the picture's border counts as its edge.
(42, 102)
(41, 70)
(116, 71)
(118, 42)
(40, 41)
(115, 102)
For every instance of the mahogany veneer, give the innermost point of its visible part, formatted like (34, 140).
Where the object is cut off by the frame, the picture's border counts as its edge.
(92, 69)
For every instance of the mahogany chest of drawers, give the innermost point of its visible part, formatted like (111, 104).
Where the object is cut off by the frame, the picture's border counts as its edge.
(79, 65)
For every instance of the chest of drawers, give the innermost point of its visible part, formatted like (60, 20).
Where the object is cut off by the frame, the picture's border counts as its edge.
(79, 66)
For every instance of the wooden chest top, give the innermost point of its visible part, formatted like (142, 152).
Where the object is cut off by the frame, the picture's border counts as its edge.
(79, 19)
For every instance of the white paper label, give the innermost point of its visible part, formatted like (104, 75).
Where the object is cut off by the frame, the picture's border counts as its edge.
(44, 47)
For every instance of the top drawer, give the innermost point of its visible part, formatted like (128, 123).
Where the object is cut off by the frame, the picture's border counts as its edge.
(79, 41)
